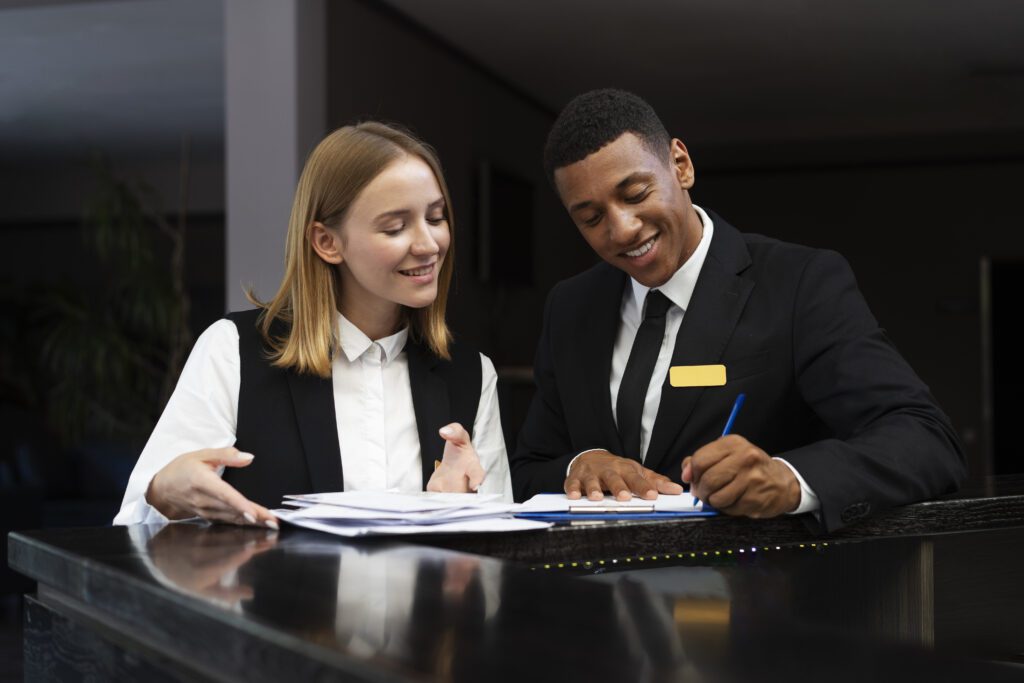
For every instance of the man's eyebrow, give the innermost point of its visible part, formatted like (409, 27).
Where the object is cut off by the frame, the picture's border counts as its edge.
(636, 177)
(581, 205)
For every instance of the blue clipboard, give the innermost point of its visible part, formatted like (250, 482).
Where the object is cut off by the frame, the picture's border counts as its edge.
(613, 516)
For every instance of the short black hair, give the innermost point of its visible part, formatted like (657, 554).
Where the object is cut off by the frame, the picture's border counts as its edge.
(594, 119)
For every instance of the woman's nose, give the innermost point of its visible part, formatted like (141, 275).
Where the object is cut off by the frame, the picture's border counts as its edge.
(424, 243)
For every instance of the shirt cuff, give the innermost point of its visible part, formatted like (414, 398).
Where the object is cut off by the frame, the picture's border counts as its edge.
(808, 498)
(139, 511)
(589, 450)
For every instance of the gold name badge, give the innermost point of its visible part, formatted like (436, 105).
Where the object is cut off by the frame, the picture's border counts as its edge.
(697, 376)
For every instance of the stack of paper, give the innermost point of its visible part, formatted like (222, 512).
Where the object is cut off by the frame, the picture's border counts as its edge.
(367, 513)
(557, 505)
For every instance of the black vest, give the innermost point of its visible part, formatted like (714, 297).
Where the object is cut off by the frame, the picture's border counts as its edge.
(287, 420)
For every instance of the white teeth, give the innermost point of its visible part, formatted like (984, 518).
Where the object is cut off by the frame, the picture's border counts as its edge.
(425, 270)
(642, 249)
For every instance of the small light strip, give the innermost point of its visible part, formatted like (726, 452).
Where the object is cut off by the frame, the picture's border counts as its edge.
(693, 555)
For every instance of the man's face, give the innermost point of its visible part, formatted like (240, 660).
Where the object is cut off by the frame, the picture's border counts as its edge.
(633, 207)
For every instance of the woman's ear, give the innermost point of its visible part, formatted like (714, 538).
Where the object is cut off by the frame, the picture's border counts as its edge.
(682, 164)
(326, 243)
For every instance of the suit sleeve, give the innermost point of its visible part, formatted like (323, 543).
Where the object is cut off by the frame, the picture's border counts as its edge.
(544, 448)
(893, 444)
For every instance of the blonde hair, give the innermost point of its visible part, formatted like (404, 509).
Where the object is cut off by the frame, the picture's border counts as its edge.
(306, 303)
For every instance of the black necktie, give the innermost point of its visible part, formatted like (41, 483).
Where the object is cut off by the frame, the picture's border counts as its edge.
(629, 406)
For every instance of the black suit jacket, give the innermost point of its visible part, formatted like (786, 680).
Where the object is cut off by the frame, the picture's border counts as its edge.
(826, 389)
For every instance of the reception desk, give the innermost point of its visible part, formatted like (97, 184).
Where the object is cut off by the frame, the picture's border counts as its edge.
(931, 591)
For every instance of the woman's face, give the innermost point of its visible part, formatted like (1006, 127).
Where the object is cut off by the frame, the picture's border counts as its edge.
(394, 238)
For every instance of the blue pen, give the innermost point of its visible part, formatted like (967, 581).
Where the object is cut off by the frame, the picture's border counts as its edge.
(735, 411)
(728, 423)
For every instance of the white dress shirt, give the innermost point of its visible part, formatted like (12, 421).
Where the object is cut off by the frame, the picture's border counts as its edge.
(678, 290)
(377, 435)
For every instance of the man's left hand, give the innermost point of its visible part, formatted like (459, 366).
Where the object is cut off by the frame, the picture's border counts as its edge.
(738, 478)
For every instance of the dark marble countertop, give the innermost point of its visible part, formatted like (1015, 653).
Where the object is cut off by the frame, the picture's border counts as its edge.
(988, 504)
(233, 603)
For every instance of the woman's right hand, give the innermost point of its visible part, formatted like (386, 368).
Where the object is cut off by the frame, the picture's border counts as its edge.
(189, 486)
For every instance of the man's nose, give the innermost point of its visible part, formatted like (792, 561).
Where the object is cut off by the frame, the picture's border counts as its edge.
(624, 226)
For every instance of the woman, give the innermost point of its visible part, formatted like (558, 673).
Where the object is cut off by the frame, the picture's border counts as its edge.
(347, 378)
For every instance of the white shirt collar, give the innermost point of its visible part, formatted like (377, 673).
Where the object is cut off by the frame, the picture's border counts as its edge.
(354, 343)
(679, 287)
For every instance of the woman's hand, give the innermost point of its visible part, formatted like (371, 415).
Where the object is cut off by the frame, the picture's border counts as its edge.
(205, 562)
(460, 470)
(189, 486)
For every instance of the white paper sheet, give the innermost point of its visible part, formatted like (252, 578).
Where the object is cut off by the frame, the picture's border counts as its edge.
(558, 502)
(358, 515)
(491, 525)
(392, 501)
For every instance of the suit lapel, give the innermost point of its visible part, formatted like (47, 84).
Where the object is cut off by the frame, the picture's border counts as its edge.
(313, 399)
(430, 402)
(601, 322)
(715, 307)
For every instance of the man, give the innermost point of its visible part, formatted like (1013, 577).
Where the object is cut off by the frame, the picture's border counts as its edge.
(835, 421)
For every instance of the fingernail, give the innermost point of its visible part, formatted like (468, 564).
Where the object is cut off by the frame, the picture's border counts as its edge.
(249, 518)
(447, 431)
(245, 456)
(272, 524)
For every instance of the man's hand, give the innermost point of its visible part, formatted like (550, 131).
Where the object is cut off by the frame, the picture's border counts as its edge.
(735, 476)
(189, 486)
(460, 470)
(595, 472)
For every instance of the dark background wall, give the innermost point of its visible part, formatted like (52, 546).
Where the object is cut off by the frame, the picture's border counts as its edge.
(913, 213)
(470, 117)
(915, 234)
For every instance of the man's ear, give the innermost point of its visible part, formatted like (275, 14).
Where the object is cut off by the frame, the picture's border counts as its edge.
(682, 164)
(326, 243)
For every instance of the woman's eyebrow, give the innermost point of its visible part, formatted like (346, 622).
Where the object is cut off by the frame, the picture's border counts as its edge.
(402, 213)
(397, 213)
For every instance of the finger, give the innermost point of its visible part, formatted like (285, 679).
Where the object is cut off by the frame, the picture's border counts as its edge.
(229, 496)
(229, 457)
(216, 510)
(455, 434)
(663, 483)
(640, 485)
(687, 470)
(617, 486)
(476, 476)
(708, 455)
(220, 514)
(719, 476)
(592, 485)
(573, 488)
(729, 499)
(265, 517)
